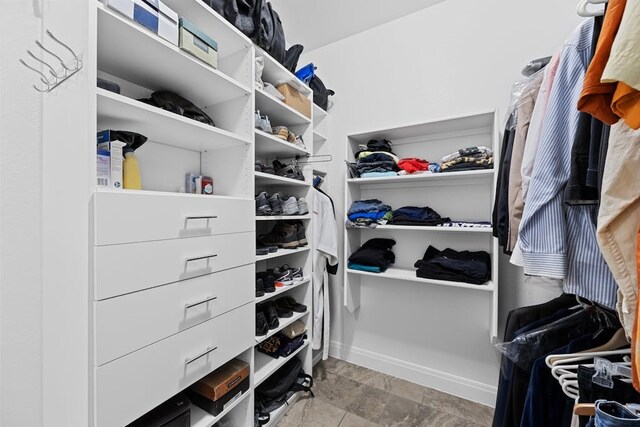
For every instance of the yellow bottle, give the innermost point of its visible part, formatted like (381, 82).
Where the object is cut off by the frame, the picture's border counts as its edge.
(131, 179)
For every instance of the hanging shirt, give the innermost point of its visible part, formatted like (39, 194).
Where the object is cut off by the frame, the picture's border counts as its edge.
(325, 237)
(557, 243)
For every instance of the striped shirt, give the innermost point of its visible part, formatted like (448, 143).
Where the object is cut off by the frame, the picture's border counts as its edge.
(559, 241)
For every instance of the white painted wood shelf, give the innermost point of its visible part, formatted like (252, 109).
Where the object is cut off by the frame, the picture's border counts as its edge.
(281, 290)
(119, 112)
(279, 113)
(281, 217)
(409, 275)
(282, 252)
(480, 230)
(480, 176)
(120, 40)
(168, 194)
(270, 146)
(284, 322)
(267, 365)
(271, 179)
(275, 73)
(201, 418)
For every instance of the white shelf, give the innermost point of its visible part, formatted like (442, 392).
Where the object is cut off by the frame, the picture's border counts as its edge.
(284, 322)
(270, 179)
(279, 113)
(481, 175)
(273, 147)
(275, 73)
(318, 138)
(281, 253)
(266, 365)
(201, 418)
(281, 217)
(129, 51)
(281, 290)
(414, 228)
(277, 415)
(319, 114)
(409, 275)
(167, 194)
(119, 112)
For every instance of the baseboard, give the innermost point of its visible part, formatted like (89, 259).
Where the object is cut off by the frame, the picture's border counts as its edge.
(427, 377)
(316, 358)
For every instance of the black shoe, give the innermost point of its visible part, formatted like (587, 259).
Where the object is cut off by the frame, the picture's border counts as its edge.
(283, 311)
(261, 324)
(283, 235)
(259, 287)
(301, 234)
(291, 304)
(288, 171)
(270, 314)
(268, 281)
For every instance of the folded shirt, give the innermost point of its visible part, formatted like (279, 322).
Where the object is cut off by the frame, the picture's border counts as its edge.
(376, 156)
(377, 174)
(361, 267)
(374, 216)
(375, 253)
(468, 163)
(413, 215)
(413, 164)
(466, 224)
(451, 265)
(467, 152)
(370, 205)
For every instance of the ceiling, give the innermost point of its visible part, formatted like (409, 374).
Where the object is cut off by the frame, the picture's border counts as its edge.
(317, 23)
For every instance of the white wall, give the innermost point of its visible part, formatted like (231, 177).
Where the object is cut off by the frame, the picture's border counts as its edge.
(20, 222)
(454, 58)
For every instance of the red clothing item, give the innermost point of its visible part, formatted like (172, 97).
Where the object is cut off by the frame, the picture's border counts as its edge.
(413, 164)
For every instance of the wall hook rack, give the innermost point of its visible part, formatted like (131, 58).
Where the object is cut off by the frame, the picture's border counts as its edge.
(53, 76)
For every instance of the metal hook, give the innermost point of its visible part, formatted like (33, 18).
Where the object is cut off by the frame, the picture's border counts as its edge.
(43, 78)
(50, 34)
(54, 55)
(43, 62)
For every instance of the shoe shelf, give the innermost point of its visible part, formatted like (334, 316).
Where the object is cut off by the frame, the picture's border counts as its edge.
(427, 229)
(201, 418)
(165, 65)
(266, 365)
(274, 72)
(279, 113)
(281, 217)
(319, 114)
(474, 176)
(318, 138)
(282, 252)
(269, 146)
(284, 322)
(120, 112)
(281, 290)
(409, 275)
(168, 194)
(270, 179)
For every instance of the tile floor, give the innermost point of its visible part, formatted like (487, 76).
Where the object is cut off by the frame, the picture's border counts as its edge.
(348, 395)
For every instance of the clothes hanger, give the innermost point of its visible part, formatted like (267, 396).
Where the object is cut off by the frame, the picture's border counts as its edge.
(617, 341)
(582, 9)
(558, 359)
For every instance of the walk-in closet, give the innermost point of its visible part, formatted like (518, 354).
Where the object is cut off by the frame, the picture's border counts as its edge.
(248, 213)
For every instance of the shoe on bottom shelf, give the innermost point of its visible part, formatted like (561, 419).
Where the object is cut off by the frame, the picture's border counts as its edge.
(261, 324)
(290, 206)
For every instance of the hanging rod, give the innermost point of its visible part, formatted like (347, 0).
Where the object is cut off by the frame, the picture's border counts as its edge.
(55, 76)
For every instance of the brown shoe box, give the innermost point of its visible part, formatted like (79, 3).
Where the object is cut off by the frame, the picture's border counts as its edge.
(215, 407)
(295, 99)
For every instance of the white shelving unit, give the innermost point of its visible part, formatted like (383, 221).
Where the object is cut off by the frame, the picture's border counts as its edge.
(267, 149)
(462, 196)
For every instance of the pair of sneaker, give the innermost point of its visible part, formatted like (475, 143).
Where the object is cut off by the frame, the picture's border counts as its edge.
(287, 275)
(285, 234)
(284, 133)
(265, 283)
(277, 204)
(263, 123)
(291, 170)
(266, 318)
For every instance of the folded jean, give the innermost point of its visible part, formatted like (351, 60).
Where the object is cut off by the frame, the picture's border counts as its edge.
(361, 267)
(375, 253)
(413, 215)
(371, 205)
(464, 266)
(613, 414)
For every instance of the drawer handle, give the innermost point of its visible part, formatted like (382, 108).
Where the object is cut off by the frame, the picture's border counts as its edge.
(198, 258)
(202, 217)
(201, 355)
(206, 300)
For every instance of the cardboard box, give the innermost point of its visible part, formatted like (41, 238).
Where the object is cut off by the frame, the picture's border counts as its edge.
(103, 162)
(222, 380)
(152, 14)
(197, 43)
(125, 7)
(115, 157)
(295, 99)
(217, 406)
(167, 18)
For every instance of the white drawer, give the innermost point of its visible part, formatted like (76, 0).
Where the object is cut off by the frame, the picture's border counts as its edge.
(130, 322)
(134, 384)
(123, 217)
(121, 269)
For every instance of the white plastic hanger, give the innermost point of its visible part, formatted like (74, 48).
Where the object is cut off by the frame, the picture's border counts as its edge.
(583, 10)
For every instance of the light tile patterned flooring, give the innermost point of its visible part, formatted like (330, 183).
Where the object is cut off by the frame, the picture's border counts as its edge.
(348, 395)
